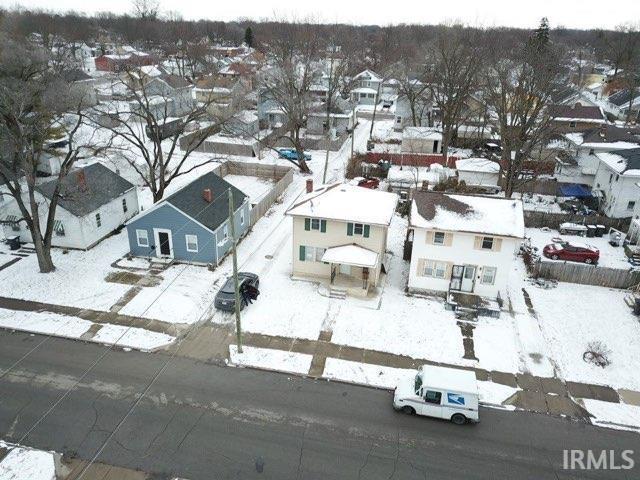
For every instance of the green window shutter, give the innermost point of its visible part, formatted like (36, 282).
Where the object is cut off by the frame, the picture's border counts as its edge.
(302, 253)
(307, 224)
(323, 226)
(350, 229)
(366, 231)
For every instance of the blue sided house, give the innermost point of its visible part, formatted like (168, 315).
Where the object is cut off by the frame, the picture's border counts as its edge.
(192, 225)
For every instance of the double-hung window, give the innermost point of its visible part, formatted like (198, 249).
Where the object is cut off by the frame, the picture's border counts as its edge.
(488, 275)
(434, 269)
(487, 243)
(142, 237)
(98, 220)
(192, 243)
(438, 238)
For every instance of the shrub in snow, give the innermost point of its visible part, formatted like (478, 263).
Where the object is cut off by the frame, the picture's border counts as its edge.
(597, 353)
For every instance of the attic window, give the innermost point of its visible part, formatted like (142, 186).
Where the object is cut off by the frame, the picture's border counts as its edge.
(58, 228)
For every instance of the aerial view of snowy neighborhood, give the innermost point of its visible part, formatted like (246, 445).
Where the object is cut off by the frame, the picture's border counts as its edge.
(239, 244)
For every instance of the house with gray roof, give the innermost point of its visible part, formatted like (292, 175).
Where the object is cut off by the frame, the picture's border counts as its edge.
(192, 224)
(93, 202)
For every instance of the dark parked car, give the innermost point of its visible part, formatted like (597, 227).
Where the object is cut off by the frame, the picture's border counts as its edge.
(225, 298)
(572, 252)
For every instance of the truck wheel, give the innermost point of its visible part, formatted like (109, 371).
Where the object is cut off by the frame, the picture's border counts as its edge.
(459, 419)
(408, 410)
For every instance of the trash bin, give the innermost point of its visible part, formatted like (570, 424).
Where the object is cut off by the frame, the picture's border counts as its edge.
(591, 231)
(14, 242)
(600, 230)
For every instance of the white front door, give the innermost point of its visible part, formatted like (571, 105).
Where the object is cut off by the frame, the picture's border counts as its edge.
(164, 243)
(345, 269)
(468, 278)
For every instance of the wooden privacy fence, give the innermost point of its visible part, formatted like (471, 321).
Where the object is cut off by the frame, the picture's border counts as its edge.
(586, 274)
(281, 175)
(533, 219)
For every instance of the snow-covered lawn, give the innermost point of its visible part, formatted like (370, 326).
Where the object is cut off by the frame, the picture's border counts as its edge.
(254, 187)
(270, 359)
(47, 323)
(572, 316)
(22, 463)
(78, 280)
(614, 415)
(612, 257)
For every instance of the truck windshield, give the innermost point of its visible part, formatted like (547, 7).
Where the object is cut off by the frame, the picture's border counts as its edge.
(418, 383)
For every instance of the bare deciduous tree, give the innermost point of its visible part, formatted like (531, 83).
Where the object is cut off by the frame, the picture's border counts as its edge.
(146, 130)
(454, 63)
(36, 106)
(518, 89)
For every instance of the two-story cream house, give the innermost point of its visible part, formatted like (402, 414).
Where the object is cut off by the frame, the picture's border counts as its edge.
(463, 243)
(340, 235)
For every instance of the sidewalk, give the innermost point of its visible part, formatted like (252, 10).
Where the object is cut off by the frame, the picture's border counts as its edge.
(553, 396)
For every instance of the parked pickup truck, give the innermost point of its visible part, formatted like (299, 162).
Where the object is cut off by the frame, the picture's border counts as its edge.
(448, 393)
(291, 154)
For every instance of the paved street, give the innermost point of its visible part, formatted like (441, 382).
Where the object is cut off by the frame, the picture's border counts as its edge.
(202, 421)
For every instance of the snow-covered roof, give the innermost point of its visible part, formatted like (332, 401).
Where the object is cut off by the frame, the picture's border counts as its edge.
(422, 133)
(364, 90)
(347, 203)
(623, 162)
(369, 75)
(351, 255)
(467, 213)
(483, 165)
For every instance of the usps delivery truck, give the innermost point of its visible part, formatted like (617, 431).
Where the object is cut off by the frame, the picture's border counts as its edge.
(439, 392)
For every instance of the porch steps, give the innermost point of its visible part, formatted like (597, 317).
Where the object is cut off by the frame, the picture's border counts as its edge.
(337, 293)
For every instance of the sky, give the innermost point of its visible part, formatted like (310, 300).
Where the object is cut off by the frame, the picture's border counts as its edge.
(516, 13)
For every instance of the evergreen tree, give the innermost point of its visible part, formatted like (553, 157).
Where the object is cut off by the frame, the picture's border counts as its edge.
(248, 37)
(541, 34)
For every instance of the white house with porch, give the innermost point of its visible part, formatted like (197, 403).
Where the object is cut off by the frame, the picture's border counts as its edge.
(463, 245)
(340, 236)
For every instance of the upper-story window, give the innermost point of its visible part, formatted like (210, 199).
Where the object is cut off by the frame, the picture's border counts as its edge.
(438, 238)
(487, 243)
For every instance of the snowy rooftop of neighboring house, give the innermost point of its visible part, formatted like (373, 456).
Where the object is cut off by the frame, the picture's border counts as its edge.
(414, 175)
(351, 255)
(246, 116)
(576, 113)
(422, 133)
(467, 213)
(622, 98)
(368, 75)
(347, 203)
(86, 189)
(624, 162)
(482, 165)
(606, 136)
(364, 90)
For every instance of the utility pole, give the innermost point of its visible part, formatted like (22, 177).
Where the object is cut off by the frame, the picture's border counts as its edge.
(236, 286)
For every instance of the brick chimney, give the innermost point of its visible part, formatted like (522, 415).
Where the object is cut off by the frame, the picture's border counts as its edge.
(309, 185)
(82, 179)
(207, 195)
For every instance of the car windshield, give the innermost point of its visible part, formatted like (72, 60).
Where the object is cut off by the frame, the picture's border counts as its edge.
(228, 286)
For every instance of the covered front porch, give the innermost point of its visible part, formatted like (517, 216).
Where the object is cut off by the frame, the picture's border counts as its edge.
(354, 269)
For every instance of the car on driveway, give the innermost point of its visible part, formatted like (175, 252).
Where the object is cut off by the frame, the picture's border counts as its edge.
(572, 252)
(291, 154)
(226, 299)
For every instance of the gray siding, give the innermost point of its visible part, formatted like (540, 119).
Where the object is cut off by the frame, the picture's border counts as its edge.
(211, 246)
(180, 225)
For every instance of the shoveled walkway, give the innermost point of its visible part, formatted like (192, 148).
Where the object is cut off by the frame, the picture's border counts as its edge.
(210, 343)
(95, 316)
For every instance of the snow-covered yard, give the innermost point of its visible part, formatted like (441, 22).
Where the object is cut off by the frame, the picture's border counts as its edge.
(22, 463)
(612, 257)
(254, 187)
